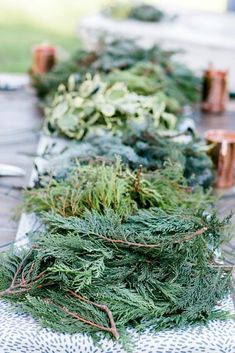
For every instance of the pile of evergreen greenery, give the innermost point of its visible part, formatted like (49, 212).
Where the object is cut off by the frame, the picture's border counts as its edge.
(141, 147)
(119, 249)
(99, 186)
(145, 71)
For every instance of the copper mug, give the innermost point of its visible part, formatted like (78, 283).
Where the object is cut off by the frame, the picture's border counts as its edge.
(215, 90)
(44, 58)
(223, 155)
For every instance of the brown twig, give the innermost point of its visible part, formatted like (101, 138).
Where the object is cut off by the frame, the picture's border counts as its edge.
(191, 236)
(88, 322)
(112, 329)
(22, 286)
(12, 291)
(138, 178)
(104, 308)
(20, 268)
(142, 245)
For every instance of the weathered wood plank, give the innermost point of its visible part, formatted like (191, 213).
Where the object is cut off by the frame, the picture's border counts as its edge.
(19, 124)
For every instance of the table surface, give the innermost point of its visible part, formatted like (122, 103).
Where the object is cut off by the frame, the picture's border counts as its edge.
(20, 122)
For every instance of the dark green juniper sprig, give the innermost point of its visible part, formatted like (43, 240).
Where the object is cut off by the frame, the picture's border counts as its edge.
(98, 273)
(102, 186)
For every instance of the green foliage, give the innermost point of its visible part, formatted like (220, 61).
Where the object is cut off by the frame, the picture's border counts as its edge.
(146, 13)
(140, 12)
(98, 273)
(100, 187)
(74, 113)
(172, 79)
(142, 147)
(156, 150)
(127, 241)
(151, 70)
(145, 81)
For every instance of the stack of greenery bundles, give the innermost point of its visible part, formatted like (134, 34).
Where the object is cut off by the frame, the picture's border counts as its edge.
(122, 245)
(119, 249)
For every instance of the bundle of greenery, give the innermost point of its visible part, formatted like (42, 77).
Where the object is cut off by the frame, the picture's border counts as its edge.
(71, 190)
(141, 12)
(153, 70)
(75, 112)
(141, 147)
(119, 250)
(157, 150)
(149, 78)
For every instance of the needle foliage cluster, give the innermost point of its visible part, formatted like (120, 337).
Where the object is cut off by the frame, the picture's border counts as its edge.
(119, 249)
(141, 147)
(71, 191)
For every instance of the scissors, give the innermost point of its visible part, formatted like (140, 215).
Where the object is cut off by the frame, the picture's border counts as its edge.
(11, 170)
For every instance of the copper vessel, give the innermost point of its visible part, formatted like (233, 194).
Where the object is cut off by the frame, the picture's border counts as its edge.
(215, 90)
(223, 155)
(44, 58)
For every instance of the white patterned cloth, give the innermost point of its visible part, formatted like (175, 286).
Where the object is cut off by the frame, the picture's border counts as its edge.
(20, 333)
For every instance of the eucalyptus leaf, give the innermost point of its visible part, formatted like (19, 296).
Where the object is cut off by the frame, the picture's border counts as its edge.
(96, 103)
(68, 123)
(107, 109)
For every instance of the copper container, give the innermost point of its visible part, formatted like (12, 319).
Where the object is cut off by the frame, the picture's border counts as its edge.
(44, 58)
(215, 90)
(223, 155)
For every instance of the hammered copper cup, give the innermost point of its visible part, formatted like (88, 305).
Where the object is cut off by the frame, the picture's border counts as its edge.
(223, 155)
(215, 90)
(44, 58)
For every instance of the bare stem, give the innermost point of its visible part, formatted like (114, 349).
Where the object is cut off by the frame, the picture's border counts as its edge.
(20, 268)
(22, 286)
(138, 179)
(104, 308)
(157, 245)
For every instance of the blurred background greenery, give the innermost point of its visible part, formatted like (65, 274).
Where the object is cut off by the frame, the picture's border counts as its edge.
(24, 23)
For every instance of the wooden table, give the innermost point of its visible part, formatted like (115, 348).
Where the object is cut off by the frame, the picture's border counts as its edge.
(19, 125)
